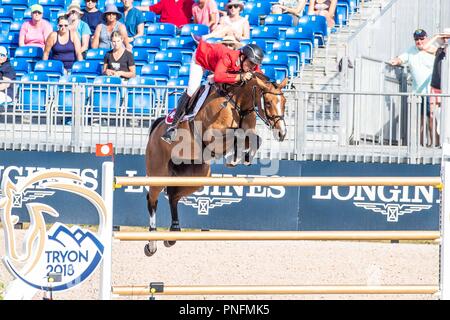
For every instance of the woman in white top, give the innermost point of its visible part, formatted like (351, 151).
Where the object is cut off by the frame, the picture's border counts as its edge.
(232, 24)
(293, 7)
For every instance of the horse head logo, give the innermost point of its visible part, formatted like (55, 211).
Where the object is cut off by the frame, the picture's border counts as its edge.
(32, 262)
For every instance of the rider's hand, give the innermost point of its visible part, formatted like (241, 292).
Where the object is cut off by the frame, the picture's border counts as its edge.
(246, 76)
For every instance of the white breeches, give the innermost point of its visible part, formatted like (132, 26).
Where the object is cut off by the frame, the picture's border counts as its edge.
(195, 77)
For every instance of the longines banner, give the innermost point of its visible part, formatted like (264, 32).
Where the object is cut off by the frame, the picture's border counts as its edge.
(240, 208)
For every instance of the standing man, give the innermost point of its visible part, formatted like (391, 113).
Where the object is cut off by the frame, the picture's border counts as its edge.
(420, 62)
(133, 19)
(177, 12)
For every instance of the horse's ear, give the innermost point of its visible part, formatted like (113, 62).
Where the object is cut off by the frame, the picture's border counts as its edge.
(283, 83)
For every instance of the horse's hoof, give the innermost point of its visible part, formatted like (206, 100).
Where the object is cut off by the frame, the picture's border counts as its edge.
(168, 244)
(149, 250)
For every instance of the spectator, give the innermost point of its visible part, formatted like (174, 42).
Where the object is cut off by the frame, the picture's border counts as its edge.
(78, 26)
(293, 7)
(177, 12)
(64, 45)
(92, 16)
(102, 35)
(206, 12)
(7, 73)
(119, 62)
(326, 8)
(439, 41)
(133, 20)
(35, 32)
(232, 24)
(420, 63)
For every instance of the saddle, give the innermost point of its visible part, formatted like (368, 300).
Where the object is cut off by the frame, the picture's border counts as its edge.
(194, 105)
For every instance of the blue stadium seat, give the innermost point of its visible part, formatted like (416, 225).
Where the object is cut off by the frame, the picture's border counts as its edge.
(284, 20)
(54, 69)
(221, 5)
(20, 66)
(96, 54)
(266, 32)
(173, 59)
(318, 25)
(106, 99)
(33, 95)
(149, 16)
(278, 61)
(184, 45)
(141, 100)
(261, 42)
(11, 41)
(258, 8)
(197, 29)
(140, 56)
(295, 52)
(173, 94)
(53, 3)
(31, 52)
(156, 71)
(253, 19)
(303, 34)
(272, 74)
(341, 15)
(167, 30)
(65, 91)
(88, 68)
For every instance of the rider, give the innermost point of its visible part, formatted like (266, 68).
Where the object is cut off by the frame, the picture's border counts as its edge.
(229, 66)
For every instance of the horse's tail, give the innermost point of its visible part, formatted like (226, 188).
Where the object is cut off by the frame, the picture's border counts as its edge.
(155, 123)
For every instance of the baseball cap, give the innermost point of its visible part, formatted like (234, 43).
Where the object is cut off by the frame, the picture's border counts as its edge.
(419, 33)
(3, 51)
(37, 7)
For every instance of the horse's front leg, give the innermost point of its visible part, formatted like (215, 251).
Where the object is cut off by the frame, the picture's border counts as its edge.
(152, 204)
(252, 144)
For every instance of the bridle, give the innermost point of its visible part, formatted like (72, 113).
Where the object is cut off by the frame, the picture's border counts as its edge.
(267, 119)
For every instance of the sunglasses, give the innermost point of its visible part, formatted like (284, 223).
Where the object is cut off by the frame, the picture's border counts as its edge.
(95, 1)
(63, 25)
(421, 38)
(73, 11)
(234, 6)
(2, 55)
(37, 12)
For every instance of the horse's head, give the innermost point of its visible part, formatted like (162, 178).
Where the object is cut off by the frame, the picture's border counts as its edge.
(272, 112)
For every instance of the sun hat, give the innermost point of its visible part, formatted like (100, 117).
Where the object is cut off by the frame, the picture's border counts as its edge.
(111, 8)
(37, 7)
(75, 5)
(233, 2)
(231, 40)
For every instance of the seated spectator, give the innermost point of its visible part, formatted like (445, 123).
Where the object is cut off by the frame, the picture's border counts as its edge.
(326, 8)
(230, 42)
(293, 7)
(102, 35)
(232, 24)
(133, 20)
(119, 62)
(92, 16)
(7, 73)
(206, 12)
(63, 44)
(81, 28)
(36, 31)
(177, 12)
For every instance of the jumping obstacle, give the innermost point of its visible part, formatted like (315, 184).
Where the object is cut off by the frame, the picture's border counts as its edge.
(444, 282)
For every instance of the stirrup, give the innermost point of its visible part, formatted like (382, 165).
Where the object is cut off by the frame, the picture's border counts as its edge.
(169, 135)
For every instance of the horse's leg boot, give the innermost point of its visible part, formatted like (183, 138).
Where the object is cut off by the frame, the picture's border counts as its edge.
(171, 132)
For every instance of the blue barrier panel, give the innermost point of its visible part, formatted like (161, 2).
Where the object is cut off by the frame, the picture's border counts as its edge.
(242, 208)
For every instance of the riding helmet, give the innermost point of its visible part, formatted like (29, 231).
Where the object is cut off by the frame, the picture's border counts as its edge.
(253, 52)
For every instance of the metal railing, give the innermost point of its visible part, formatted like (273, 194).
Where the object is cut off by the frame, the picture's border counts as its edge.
(341, 126)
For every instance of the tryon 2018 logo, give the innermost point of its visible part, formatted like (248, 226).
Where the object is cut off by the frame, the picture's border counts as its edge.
(72, 254)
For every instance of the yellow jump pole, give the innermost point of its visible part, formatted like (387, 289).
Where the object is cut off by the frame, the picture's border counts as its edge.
(261, 290)
(277, 235)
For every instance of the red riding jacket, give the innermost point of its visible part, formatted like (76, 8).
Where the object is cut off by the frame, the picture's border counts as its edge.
(224, 62)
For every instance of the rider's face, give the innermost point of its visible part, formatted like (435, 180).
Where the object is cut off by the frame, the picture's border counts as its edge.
(247, 65)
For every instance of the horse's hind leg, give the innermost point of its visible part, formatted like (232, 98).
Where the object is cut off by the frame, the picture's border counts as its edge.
(152, 204)
(174, 197)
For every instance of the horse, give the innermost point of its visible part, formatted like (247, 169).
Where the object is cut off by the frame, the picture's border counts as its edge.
(226, 108)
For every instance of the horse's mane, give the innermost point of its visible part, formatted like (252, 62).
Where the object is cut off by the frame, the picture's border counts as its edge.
(265, 78)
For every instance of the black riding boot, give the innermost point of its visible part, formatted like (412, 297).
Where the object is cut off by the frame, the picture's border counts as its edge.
(171, 132)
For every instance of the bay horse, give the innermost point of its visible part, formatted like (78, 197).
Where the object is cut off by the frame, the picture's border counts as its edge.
(226, 108)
